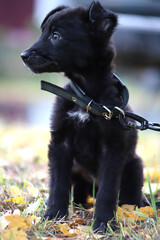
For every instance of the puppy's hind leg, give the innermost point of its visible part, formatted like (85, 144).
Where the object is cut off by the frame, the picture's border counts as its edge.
(132, 183)
(83, 187)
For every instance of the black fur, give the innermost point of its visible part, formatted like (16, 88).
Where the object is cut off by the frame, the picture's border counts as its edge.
(77, 41)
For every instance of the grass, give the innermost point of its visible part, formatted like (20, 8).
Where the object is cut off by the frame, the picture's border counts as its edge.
(21, 149)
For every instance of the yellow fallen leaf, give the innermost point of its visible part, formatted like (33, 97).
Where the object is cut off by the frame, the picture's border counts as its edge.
(133, 215)
(32, 191)
(126, 215)
(148, 211)
(119, 214)
(14, 234)
(128, 207)
(18, 221)
(14, 191)
(66, 230)
(18, 200)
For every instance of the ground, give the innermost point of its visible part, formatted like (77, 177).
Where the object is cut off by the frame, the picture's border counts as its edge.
(24, 190)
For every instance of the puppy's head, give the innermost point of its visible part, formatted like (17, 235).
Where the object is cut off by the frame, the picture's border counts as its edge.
(71, 39)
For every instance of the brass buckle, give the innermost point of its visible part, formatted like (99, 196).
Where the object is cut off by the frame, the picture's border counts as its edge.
(107, 115)
(88, 107)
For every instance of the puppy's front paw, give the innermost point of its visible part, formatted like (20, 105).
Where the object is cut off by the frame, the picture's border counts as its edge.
(49, 215)
(101, 227)
(52, 214)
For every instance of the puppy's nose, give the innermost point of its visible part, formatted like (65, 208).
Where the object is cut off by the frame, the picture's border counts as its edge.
(26, 54)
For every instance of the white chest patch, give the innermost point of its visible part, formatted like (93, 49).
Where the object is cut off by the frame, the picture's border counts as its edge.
(79, 115)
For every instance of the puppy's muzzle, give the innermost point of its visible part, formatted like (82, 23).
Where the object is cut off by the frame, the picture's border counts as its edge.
(25, 55)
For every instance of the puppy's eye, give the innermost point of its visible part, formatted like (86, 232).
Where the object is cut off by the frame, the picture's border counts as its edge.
(56, 37)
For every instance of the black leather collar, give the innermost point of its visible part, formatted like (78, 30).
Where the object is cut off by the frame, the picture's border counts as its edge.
(80, 98)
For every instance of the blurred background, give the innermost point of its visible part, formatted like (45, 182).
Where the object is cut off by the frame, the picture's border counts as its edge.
(25, 109)
(137, 40)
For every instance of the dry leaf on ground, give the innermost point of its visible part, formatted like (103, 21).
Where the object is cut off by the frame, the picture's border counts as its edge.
(14, 234)
(18, 200)
(14, 191)
(18, 221)
(127, 212)
(67, 231)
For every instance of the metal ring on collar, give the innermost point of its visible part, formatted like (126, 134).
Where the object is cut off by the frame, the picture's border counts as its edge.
(107, 115)
(120, 110)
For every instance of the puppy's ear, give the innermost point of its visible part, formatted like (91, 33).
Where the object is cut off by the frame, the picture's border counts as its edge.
(101, 18)
(58, 9)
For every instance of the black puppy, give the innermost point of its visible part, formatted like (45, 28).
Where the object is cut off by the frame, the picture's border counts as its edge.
(76, 41)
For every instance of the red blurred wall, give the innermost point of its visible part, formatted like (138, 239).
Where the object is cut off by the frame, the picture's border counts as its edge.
(15, 13)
